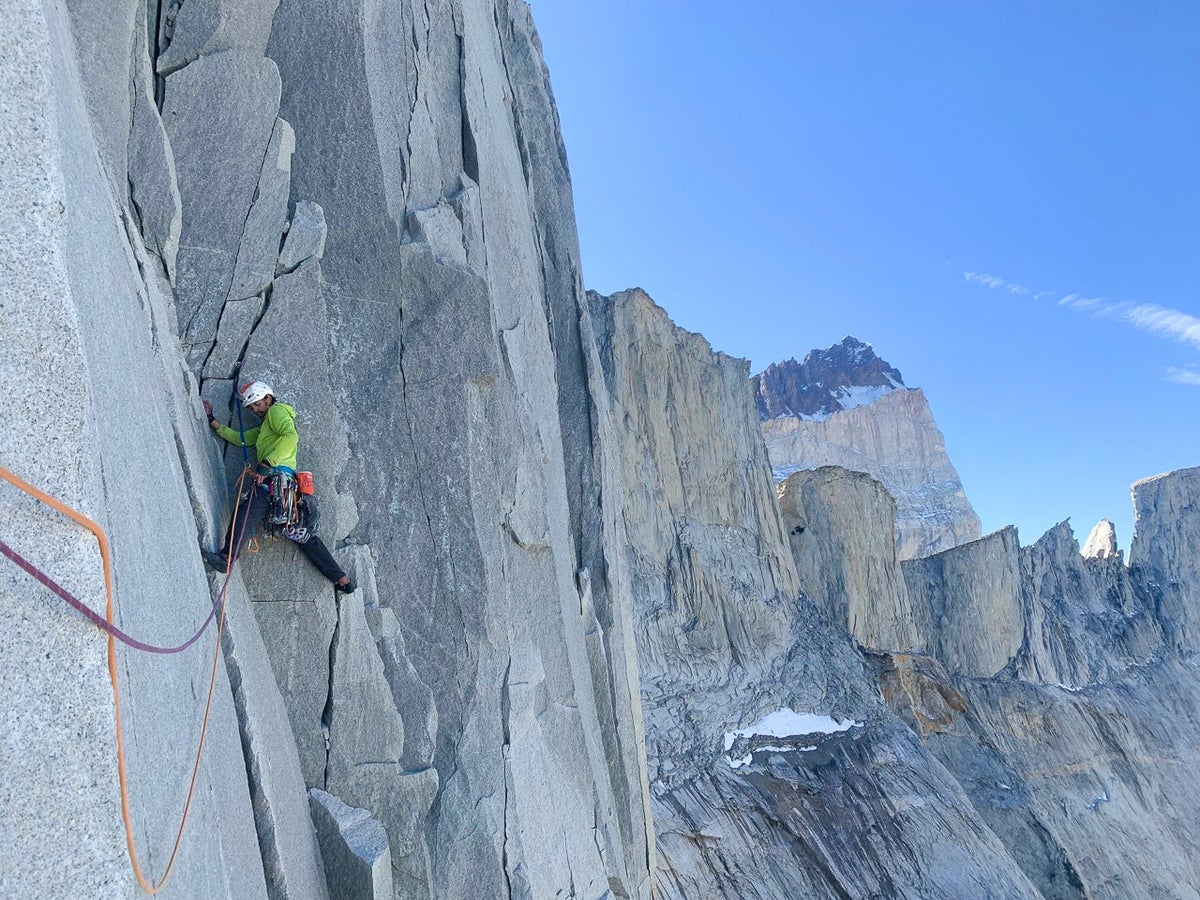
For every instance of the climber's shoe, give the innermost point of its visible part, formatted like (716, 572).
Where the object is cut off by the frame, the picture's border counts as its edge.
(347, 587)
(215, 560)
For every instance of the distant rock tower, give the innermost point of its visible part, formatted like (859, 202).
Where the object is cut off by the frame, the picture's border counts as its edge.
(846, 407)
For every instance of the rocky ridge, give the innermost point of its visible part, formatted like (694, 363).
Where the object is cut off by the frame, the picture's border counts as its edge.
(846, 407)
(844, 376)
(1045, 681)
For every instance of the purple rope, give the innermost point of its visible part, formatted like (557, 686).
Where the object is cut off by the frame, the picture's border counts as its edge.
(95, 618)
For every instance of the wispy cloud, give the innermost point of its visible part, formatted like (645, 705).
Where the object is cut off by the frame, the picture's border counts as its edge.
(1097, 306)
(992, 281)
(1183, 376)
(1165, 322)
(1149, 317)
(995, 282)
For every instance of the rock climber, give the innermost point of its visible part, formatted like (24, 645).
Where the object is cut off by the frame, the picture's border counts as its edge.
(275, 441)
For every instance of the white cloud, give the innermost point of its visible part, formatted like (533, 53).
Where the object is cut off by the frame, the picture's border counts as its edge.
(1149, 317)
(982, 278)
(995, 282)
(1097, 306)
(1165, 322)
(1182, 376)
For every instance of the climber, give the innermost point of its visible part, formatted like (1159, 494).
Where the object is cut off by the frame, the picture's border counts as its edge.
(275, 441)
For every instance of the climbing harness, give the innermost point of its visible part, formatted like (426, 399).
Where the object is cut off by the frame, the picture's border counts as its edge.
(114, 633)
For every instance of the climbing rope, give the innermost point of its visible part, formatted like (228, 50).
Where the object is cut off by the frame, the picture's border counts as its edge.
(113, 634)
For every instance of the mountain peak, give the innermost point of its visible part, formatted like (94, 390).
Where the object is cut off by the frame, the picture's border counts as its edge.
(846, 375)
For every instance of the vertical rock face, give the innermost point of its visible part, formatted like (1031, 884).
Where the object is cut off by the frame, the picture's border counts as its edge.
(1165, 534)
(847, 407)
(969, 602)
(761, 719)
(1089, 619)
(457, 368)
(1102, 541)
(841, 526)
(1079, 751)
(100, 335)
(710, 572)
(427, 320)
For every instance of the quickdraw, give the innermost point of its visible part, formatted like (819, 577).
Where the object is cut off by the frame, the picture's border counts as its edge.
(284, 499)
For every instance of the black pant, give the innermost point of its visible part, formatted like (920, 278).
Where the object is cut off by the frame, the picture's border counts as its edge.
(250, 514)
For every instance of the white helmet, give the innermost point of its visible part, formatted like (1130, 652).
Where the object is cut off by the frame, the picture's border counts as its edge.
(255, 391)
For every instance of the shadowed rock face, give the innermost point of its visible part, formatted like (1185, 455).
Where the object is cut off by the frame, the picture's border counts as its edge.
(1080, 752)
(1162, 554)
(1049, 691)
(828, 381)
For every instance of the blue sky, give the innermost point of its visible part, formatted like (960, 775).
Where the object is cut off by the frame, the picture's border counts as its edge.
(1003, 198)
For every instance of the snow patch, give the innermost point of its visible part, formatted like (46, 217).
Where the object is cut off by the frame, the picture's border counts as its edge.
(788, 723)
(850, 396)
(862, 395)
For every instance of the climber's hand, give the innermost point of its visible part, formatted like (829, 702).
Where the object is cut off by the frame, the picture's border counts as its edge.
(208, 409)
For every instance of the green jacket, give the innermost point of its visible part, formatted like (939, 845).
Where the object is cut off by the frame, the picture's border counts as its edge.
(275, 440)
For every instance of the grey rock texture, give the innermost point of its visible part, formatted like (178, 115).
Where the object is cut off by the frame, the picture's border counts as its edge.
(896, 441)
(194, 28)
(471, 456)
(305, 236)
(103, 34)
(725, 637)
(367, 740)
(705, 540)
(355, 847)
(429, 399)
(291, 856)
(42, 345)
(841, 527)
(219, 113)
(263, 230)
(967, 603)
(1088, 619)
(1101, 541)
(152, 179)
(1092, 790)
(1165, 534)
(102, 336)
(1080, 752)
(1048, 612)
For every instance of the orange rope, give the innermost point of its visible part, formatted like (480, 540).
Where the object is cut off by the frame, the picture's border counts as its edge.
(126, 816)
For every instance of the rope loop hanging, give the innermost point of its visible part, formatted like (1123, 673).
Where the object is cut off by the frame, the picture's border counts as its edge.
(114, 634)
